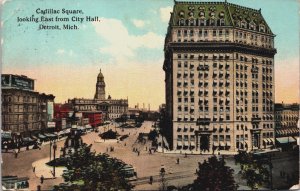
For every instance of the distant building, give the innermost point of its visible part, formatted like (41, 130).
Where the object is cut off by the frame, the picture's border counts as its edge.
(110, 108)
(286, 119)
(219, 77)
(24, 111)
(63, 116)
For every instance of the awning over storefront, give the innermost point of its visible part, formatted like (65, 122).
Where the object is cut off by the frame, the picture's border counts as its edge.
(40, 136)
(266, 141)
(6, 135)
(270, 141)
(228, 143)
(50, 135)
(179, 143)
(27, 139)
(284, 140)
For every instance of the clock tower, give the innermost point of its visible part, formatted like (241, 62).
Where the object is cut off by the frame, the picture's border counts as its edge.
(100, 87)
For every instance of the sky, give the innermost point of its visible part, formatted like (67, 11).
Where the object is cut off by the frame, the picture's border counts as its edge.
(127, 44)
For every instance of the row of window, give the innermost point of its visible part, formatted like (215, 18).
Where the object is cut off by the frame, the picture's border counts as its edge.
(267, 134)
(201, 22)
(19, 99)
(221, 57)
(191, 93)
(204, 56)
(21, 127)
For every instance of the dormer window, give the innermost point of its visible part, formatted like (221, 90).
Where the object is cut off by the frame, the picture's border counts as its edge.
(192, 22)
(191, 8)
(212, 8)
(202, 22)
(262, 28)
(201, 14)
(222, 15)
(212, 14)
(181, 22)
(191, 14)
(212, 22)
(243, 24)
(181, 14)
(202, 8)
(222, 22)
(252, 26)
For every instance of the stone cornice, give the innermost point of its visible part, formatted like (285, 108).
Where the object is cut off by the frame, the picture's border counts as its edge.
(221, 47)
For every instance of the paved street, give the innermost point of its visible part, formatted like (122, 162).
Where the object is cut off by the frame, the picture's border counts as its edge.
(145, 164)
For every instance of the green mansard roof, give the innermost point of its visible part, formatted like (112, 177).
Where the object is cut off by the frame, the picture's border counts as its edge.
(231, 14)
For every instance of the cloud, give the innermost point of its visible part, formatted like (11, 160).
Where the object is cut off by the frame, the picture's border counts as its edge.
(138, 23)
(121, 44)
(4, 1)
(60, 51)
(165, 13)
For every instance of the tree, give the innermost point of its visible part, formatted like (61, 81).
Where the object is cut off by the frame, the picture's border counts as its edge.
(88, 171)
(213, 175)
(253, 171)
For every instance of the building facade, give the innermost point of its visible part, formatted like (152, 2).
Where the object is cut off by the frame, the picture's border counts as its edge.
(286, 120)
(24, 111)
(111, 108)
(219, 77)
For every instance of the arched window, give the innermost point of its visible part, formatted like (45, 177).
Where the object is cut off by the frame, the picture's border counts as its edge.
(252, 26)
(191, 22)
(212, 22)
(181, 22)
(261, 28)
(221, 22)
(202, 22)
(244, 24)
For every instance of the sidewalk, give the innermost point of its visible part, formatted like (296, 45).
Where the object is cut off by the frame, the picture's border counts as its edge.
(42, 169)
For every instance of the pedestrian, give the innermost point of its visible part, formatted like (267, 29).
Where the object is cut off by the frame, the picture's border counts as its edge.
(177, 161)
(16, 155)
(42, 179)
(185, 155)
(107, 149)
(33, 169)
(151, 179)
(146, 148)
(138, 153)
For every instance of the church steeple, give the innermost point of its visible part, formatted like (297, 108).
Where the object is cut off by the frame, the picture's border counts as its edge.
(100, 87)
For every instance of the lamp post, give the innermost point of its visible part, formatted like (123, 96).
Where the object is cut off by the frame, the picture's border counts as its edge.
(54, 149)
(50, 149)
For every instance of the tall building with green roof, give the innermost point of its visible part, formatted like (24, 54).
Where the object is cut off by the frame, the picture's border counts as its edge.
(219, 76)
